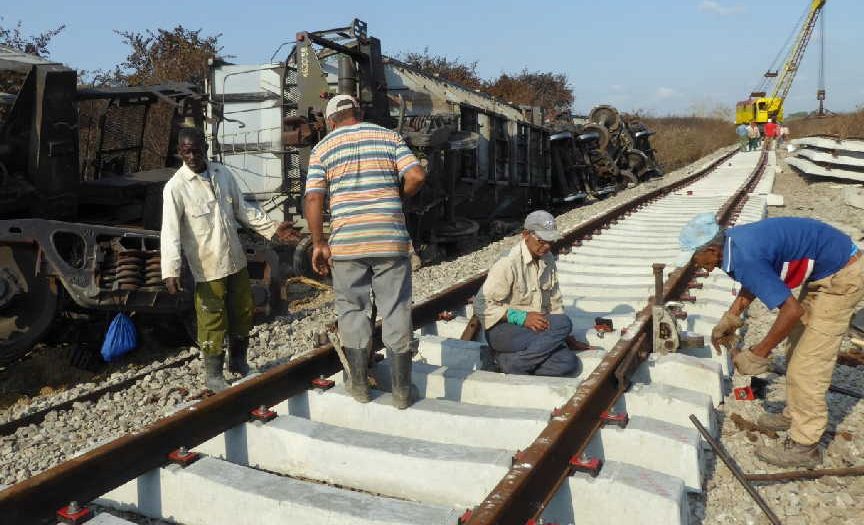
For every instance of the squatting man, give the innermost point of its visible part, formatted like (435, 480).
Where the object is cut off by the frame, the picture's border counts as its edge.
(202, 209)
(521, 308)
(769, 258)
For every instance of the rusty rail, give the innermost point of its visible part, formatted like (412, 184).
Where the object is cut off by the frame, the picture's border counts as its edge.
(524, 492)
(104, 468)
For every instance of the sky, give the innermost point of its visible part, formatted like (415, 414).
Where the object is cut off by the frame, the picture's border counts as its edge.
(662, 56)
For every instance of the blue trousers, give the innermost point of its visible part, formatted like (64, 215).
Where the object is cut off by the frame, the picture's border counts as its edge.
(523, 351)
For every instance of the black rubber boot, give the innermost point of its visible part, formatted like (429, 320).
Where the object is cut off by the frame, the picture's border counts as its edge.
(400, 373)
(237, 349)
(213, 378)
(357, 384)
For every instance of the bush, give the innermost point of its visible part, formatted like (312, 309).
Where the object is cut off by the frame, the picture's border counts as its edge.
(841, 125)
(679, 141)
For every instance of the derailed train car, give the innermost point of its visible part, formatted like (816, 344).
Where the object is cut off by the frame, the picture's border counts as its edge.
(79, 216)
(488, 160)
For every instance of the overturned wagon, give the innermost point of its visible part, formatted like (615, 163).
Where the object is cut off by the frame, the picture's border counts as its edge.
(488, 160)
(79, 214)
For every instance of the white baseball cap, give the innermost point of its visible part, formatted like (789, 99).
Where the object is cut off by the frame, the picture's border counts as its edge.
(338, 103)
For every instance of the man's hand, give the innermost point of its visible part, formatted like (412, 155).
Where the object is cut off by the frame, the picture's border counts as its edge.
(285, 232)
(536, 321)
(321, 258)
(575, 345)
(724, 333)
(172, 284)
(746, 362)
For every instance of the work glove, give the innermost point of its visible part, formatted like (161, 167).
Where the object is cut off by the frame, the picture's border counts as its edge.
(724, 333)
(748, 363)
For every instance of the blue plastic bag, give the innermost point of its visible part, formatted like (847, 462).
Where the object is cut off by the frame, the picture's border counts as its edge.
(120, 338)
(698, 231)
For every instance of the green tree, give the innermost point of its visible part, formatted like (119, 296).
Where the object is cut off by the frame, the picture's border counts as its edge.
(548, 90)
(453, 70)
(34, 44)
(163, 55)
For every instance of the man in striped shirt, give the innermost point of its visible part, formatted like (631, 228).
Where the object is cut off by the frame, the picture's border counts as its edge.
(365, 170)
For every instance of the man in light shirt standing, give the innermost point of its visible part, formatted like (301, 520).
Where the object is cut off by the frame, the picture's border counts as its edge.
(202, 209)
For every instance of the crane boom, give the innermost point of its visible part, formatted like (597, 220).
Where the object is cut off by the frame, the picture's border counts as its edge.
(760, 108)
(790, 66)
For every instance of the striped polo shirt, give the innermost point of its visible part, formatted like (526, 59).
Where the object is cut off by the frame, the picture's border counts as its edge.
(360, 168)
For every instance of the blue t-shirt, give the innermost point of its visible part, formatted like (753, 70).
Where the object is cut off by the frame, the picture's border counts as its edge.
(772, 256)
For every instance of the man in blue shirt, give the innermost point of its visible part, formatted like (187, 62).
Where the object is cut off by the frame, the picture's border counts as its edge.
(770, 258)
(741, 130)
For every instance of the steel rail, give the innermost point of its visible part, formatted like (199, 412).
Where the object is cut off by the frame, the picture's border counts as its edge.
(541, 468)
(108, 466)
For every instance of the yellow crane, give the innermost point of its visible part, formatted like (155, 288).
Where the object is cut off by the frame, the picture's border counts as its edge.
(761, 108)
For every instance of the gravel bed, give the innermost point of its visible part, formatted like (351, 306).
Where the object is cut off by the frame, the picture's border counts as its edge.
(829, 500)
(62, 435)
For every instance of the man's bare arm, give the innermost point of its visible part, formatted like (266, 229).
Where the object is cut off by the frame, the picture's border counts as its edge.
(413, 180)
(741, 302)
(314, 212)
(790, 313)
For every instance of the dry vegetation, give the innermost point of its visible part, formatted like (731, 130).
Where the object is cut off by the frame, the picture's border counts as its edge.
(679, 141)
(841, 125)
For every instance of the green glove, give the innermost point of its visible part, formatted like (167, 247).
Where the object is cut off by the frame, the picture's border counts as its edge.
(516, 317)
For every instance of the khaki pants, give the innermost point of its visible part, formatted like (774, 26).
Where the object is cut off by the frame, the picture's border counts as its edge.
(828, 305)
(223, 305)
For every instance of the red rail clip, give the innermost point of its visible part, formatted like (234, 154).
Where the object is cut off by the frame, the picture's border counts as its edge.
(183, 457)
(465, 517)
(557, 412)
(587, 465)
(700, 273)
(619, 419)
(686, 297)
(322, 383)
(72, 514)
(517, 457)
(744, 393)
(446, 315)
(262, 414)
(694, 284)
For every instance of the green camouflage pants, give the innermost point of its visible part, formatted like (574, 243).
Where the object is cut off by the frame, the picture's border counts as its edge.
(223, 305)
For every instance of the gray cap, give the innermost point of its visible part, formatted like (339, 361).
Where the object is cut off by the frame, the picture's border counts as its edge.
(338, 103)
(542, 223)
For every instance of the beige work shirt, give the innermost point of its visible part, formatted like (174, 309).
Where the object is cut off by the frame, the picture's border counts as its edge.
(201, 219)
(517, 281)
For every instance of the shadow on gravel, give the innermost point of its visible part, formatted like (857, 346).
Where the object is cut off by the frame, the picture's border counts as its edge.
(69, 356)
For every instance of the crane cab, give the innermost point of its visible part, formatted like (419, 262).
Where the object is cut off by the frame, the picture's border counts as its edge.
(760, 109)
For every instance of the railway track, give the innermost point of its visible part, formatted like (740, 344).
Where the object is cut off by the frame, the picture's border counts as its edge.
(610, 445)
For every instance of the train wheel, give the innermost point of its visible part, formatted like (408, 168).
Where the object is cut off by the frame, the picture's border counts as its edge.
(28, 302)
(637, 162)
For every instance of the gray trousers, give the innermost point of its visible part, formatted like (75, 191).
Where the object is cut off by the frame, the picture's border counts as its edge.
(389, 278)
